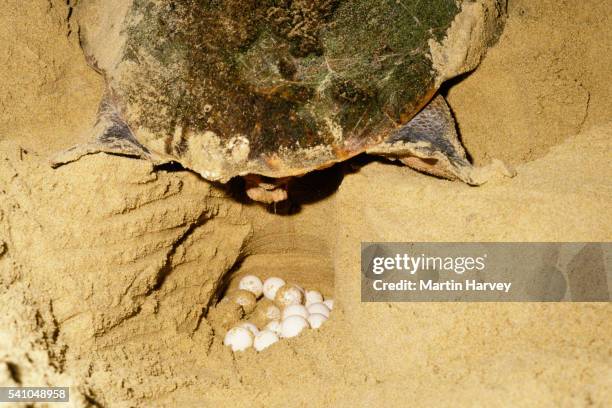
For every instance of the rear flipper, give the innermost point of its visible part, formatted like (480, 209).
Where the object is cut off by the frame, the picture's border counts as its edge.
(266, 190)
(429, 143)
(110, 135)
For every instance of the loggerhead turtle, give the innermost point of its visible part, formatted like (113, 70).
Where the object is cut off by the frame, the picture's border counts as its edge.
(273, 89)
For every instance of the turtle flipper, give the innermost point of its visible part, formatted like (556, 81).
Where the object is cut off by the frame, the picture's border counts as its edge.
(110, 135)
(265, 190)
(429, 143)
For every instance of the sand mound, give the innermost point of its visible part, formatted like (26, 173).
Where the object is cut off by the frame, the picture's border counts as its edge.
(109, 268)
(546, 80)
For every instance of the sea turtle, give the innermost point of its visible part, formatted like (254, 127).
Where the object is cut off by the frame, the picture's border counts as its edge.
(273, 89)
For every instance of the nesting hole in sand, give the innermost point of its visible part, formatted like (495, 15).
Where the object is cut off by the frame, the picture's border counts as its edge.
(301, 261)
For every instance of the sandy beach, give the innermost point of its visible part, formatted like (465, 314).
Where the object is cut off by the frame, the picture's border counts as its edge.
(111, 271)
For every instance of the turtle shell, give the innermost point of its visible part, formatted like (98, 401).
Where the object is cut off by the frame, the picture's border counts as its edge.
(272, 87)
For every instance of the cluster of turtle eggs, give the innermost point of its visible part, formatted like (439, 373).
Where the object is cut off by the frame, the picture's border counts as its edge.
(285, 310)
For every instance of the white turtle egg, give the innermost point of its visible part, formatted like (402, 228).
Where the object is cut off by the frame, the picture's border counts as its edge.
(319, 308)
(251, 327)
(245, 299)
(238, 338)
(271, 312)
(253, 284)
(271, 286)
(274, 326)
(312, 296)
(264, 339)
(329, 303)
(288, 295)
(292, 326)
(316, 320)
(265, 311)
(295, 310)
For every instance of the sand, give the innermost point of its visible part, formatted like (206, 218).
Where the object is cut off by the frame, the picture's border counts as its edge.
(110, 271)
